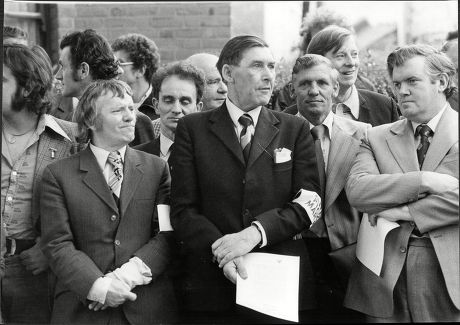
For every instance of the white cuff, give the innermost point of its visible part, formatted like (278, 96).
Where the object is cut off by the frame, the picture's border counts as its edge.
(134, 273)
(98, 291)
(311, 202)
(262, 232)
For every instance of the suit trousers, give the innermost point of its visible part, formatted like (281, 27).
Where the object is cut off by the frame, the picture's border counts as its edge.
(25, 297)
(420, 294)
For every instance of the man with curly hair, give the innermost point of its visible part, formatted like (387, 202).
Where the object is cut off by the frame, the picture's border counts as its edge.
(139, 58)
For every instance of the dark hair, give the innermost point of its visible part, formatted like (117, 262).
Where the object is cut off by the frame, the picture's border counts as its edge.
(94, 49)
(31, 67)
(448, 44)
(436, 62)
(14, 32)
(86, 112)
(330, 38)
(184, 70)
(308, 61)
(452, 35)
(141, 50)
(233, 50)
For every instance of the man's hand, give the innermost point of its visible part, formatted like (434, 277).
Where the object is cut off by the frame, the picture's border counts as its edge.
(34, 260)
(393, 214)
(118, 293)
(235, 245)
(437, 183)
(235, 266)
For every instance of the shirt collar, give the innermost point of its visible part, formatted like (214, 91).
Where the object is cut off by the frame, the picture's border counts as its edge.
(102, 154)
(433, 123)
(165, 144)
(327, 122)
(235, 113)
(146, 95)
(352, 102)
(48, 121)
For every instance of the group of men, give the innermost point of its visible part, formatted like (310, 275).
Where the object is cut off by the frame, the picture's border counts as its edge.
(238, 178)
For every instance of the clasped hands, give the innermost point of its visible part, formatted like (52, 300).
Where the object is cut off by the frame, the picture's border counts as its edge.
(117, 294)
(229, 249)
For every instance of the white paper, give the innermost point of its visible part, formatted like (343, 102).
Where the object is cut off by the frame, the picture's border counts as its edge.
(282, 155)
(371, 242)
(272, 286)
(163, 217)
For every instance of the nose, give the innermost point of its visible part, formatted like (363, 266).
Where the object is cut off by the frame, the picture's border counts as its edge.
(268, 74)
(403, 89)
(313, 89)
(120, 71)
(351, 61)
(177, 108)
(58, 74)
(129, 115)
(222, 88)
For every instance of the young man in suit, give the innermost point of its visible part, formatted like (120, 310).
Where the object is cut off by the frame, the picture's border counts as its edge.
(339, 45)
(31, 139)
(233, 191)
(407, 172)
(178, 89)
(101, 231)
(87, 56)
(139, 58)
(331, 241)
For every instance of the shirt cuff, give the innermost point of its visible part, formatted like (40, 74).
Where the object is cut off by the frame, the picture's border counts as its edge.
(134, 273)
(98, 291)
(311, 202)
(262, 232)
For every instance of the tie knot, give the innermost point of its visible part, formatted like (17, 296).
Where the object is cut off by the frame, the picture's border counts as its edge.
(245, 120)
(318, 131)
(423, 130)
(114, 159)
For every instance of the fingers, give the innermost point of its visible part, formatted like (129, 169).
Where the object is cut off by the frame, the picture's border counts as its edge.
(216, 244)
(130, 296)
(227, 258)
(373, 220)
(230, 273)
(241, 268)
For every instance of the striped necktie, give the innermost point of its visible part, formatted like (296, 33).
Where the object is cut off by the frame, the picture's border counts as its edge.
(246, 134)
(425, 132)
(116, 176)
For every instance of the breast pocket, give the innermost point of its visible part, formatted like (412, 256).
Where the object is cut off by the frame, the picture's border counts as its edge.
(282, 167)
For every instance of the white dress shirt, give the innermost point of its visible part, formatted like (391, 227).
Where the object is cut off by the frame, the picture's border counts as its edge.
(352, 103)
(433, 124)
(165, 147)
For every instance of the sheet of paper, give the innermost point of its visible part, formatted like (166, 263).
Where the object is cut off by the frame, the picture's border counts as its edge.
(163, 217)
(272, 286)
(371, 241)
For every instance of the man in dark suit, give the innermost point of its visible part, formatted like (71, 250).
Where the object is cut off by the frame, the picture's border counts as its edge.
(331, 241)
(235, 172)
(87, 56)
(338, 45)
(407, 172)
(178, 89)
(101, 230)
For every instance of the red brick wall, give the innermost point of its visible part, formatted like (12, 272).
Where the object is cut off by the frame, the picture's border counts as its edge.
(178, 29)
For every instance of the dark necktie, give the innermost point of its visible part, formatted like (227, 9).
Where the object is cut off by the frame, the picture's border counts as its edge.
(318, 132)
(245, 135)
(425, 132)
(116, 176)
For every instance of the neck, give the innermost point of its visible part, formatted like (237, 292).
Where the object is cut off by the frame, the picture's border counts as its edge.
(139, 89)
(19, 122)
(344, 94)
(167, 132)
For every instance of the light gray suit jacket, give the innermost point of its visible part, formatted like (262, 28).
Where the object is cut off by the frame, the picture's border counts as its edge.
(385, 175)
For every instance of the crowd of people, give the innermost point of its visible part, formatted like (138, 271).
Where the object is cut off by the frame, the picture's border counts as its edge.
(131, 191)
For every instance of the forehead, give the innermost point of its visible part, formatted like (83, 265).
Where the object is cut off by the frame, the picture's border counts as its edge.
(121, 55)
(108, 100)
(316, 72)
(412, 67)
(64, 57)
(258, 53)
(176, 86)
(348, 43)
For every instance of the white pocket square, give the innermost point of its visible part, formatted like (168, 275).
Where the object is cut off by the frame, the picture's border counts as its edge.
(282, 155)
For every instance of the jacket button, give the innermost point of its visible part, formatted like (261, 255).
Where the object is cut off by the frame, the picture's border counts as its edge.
(113, 218)
(402, 249)
(117, 242)
(244, 181)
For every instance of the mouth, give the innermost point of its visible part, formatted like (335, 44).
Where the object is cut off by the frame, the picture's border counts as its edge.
(348, 73)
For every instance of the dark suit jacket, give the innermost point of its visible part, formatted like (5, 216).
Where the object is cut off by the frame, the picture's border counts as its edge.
(148, 109)
(151, 147)
(81, 226)
(214, 193)
(374, 108)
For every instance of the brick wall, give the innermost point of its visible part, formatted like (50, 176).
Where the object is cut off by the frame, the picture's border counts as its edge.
(178, 29)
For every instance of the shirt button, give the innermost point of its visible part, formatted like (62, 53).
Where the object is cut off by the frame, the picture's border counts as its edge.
(113, 218)
(14, 173)
(117, 242)
(402, 249)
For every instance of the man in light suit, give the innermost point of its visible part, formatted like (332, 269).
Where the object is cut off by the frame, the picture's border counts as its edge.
(31, 139)
(407, 172)
(101, 231)
(229, 199)
(314, 81)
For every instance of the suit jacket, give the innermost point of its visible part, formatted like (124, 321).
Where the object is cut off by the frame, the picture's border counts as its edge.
(386, 174)
(148, 109)
(374, 108)
(151, 147)
(85, 235)
(143, 130)
(214, 193)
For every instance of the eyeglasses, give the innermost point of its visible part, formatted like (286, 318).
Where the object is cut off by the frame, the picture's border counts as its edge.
(122, 64)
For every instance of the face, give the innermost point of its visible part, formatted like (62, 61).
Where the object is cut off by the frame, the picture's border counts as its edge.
(346, 61)
(418, 95)
(115, 120)
(314, 89)
(127, 71)
(250, 84)
(9, 88)
(70, 85)
(177, 98)
(215, 90)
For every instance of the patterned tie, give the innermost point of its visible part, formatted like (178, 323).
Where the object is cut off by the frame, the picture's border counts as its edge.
(425, 132)
(116, 177)
(246, 135)
(318, 132)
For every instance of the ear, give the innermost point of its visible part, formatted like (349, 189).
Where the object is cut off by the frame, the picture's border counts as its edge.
(199, 106)
(25, 92)
(155, 105)
(443, 82)
(227, 73)
(140, 72)
(83, 71)
(335, 89)
(291, 88)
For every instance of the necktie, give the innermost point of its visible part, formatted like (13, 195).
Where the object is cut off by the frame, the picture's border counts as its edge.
(246, 135)
(116, 176)
(318, 132)
(425, 132)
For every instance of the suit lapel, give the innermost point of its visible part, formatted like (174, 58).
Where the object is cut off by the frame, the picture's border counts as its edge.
(444, 138)
(402, 145)
(265, 132)
(222, 126)
(94, 178)
(132, 175)
(364, 114)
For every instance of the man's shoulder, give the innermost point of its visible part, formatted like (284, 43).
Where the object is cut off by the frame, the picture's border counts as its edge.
(151, 147)
(352, 127)
(145, 158)
(70, 128)
(374, 96)
(385, 129)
